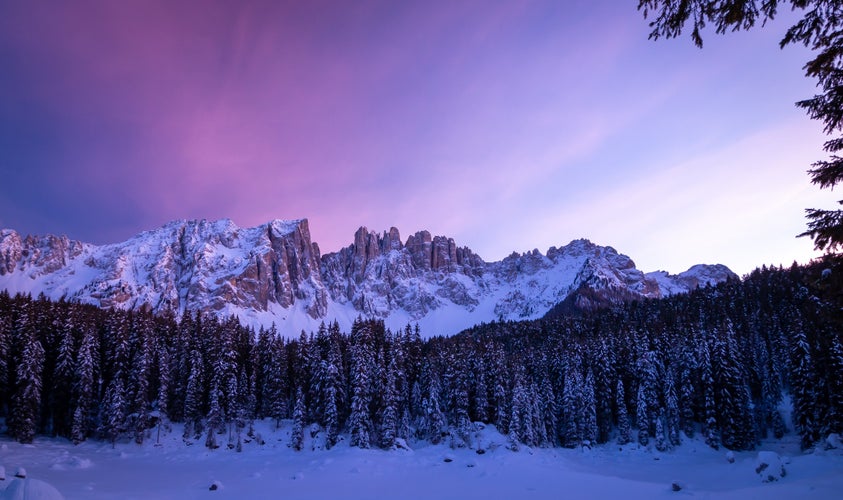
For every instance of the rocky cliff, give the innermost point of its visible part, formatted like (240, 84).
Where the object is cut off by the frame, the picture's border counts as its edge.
(274, 273)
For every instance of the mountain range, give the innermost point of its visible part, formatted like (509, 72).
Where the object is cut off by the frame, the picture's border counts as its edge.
(274, 273)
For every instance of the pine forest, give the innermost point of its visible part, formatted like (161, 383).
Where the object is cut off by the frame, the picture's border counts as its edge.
(734, 363)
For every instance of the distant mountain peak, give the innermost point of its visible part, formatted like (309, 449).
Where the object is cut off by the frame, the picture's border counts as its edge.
(274, 273)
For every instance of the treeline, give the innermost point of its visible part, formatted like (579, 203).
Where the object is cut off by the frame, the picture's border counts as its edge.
(717, 361)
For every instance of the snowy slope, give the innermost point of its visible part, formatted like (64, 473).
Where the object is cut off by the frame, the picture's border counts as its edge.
(274, 273)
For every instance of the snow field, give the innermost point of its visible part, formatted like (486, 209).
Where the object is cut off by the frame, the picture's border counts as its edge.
(171, 470)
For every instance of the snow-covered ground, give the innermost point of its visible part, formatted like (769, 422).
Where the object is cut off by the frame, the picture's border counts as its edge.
(95, 470)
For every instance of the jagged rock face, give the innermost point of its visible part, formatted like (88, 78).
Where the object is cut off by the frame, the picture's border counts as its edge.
(35, 255)
(377, 274)
(182, 266)
(10, 251)
(274, 273)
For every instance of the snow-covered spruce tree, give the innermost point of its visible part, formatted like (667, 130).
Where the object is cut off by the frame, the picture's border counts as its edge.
(711, 431)
(359, 420)
(498, 372)
(262, 362)
(62, 380)
(299, 412)
(647, 401)
(518, 428)
(139, 391)
(588, 409)
(732, 399)
(802, 382)
(215, 420)
(193, 411)
(181, 352)
(571, 412)
(331, 415)
(223, 357)
(687, 391)
(83, 386)
(549, 411)
(5, 353)
(604, 386)
(642, 415)
(661, 441)
(389, 416)
(433, 421)
(671, 414)
(330, 384)
(27, 397)
(537, 406)
(771, 393)
(113, 410)
(305, 371)
(463, 426)
(160, 405)
(624, 431)
(244, 406)
(276, 382)
(480, 392)
(834, 417)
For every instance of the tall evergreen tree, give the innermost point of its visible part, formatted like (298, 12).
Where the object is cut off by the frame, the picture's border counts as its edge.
(803, 381)
(624, 431)
(83, 387)
(27, 398)
(711, 429)
(299, 412)
(359, 421)
(113, 412)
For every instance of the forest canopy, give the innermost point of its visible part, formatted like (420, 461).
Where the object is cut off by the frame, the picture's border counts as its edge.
(717, 361)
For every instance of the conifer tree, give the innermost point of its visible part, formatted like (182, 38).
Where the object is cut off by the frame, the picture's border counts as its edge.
(140, 392)
(162, 398)
(389, 417)
(83, 386)
(520, 422)
(671, 414)
(297, 434)
(647, 401)
(433, 418)
(588, 408)
(624, 431)
(359, 421)
(642, 415)
(731, 397)
(62, 384)
(687, 393)
(27, 398)
(113, 412)
(802, 386)
(215, 420)
(571, 410)
(462, 422)
(550, 412)
(194, 396)
(331, 416)
(711, 430)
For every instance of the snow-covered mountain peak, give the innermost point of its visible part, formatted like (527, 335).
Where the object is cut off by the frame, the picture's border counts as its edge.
(274, 273)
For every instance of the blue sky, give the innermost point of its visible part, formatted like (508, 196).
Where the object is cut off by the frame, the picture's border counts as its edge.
(505, 125)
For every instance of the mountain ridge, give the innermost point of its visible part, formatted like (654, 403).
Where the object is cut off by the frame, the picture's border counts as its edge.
(275, 274)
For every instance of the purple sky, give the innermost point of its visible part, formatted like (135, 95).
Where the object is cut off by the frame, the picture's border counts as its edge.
(506, 125)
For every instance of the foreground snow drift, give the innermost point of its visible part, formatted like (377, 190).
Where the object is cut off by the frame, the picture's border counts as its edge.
(95, 470)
